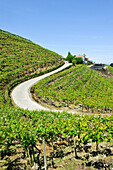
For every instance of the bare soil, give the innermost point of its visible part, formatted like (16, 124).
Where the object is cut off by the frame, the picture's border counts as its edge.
(63, 157)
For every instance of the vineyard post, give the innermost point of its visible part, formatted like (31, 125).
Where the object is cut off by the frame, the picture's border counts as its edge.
(75, 147)
(97, 109)
(82, 107)
(44, 154)
(30, 156)
(89, 108)
(34, 158)
(103, 109)
(109, 110)
(52, 154)
(97, 146)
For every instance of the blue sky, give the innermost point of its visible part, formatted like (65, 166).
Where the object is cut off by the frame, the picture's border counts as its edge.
(78, 26)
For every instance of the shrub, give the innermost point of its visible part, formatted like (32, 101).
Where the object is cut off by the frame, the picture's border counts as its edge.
(111, 64)
(79, 60)
(89, 63)
(74, 61)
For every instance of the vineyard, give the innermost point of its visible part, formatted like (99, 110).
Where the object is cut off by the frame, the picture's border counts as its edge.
(20, 58)
(77, 86)
(53, 140)
(85, 138)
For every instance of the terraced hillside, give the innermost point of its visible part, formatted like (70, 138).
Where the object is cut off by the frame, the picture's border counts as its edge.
(20, 58)
(72, 141)
(77, 86)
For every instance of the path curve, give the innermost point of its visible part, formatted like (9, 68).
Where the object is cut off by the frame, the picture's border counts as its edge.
(21, 94)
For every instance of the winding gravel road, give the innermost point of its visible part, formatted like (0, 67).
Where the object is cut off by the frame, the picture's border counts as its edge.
(21, 94)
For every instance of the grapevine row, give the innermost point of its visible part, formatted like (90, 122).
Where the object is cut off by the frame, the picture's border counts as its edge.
(29, 129)
(82, 86)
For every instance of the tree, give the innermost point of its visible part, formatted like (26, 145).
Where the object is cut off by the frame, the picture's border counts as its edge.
(79, 60)
(74, 61)
(69, 57)
(89, 63)
(111, 64)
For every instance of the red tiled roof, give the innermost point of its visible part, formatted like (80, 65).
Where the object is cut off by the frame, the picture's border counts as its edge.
(80, 56)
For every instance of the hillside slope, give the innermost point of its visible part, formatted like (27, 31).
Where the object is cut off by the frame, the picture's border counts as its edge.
(20, 57)
(22, 132)
(77, 86)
